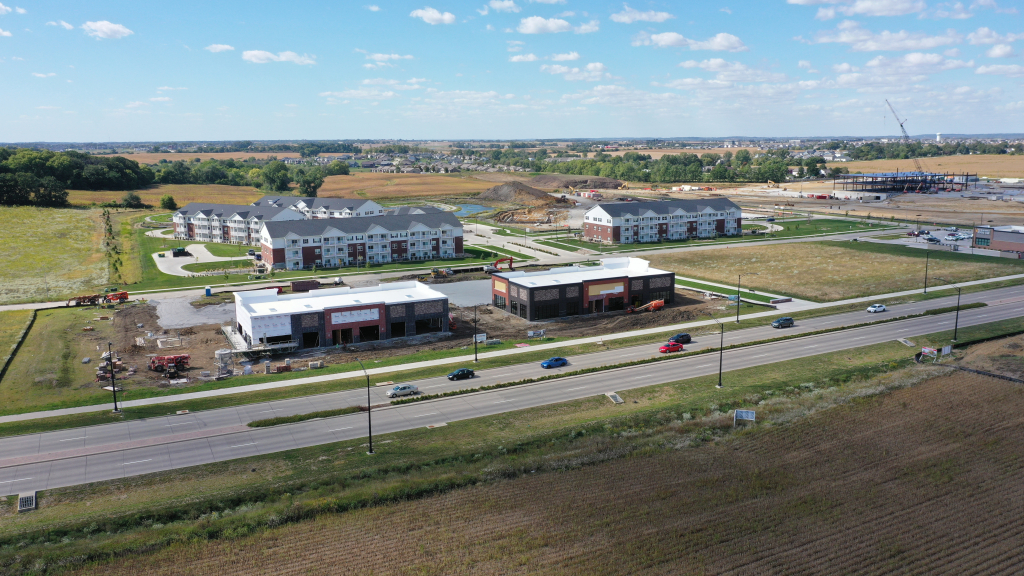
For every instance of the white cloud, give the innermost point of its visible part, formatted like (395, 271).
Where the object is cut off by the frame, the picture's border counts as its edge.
(20, 10)
(862, 40)
(1015, 70)
(5, 33)
(666, 103)
(804, 64)
(160, 99)
(726, 10)
(169, 88)
(566, 14)
(549, 1)
(373, 8)
(41, 75)
(1000, 51)
(915, 63)
(719, 42)
(539, 25)
(844, 68)
(565, 57)
(361, 94)
(992, 5)
(630, 15)
(515, 45)
(863, 7)
(135, 104)
(387, 57)
(104, 29)
(952, 52)
(410, 84)
(955, 11)
(47, 107)
(589, 27)
(433, 16)
(985, 35)
(734, 71)
(483, 11)
(4, 9)
(504, 5)
(60, 23)
(591, 72)
(523, 58)
(219, 47)
(263, 57)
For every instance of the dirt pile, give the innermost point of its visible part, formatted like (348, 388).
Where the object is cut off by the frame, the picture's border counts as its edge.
(517, 193)
(563, 181)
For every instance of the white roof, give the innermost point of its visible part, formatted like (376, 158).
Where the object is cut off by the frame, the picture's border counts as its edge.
(609, 268)
(268, 302)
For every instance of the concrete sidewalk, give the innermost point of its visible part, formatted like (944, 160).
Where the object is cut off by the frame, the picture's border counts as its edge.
(468, 358)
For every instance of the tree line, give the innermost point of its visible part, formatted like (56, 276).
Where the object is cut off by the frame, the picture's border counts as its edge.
(271, 174)
(42, 177)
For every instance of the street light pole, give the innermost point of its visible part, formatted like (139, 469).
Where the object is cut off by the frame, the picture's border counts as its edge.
(739, 277)
(369, 406)
(927, 254)
(956, 323)
(721, 349)
(113, 382)
(476, 331)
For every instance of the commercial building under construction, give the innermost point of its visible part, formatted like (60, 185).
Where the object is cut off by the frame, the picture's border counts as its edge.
(904, 182)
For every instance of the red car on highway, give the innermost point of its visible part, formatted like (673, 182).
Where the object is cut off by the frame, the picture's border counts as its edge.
(671, 347)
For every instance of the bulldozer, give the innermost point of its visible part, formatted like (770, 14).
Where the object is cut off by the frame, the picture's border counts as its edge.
(772, 184)
(653, 306)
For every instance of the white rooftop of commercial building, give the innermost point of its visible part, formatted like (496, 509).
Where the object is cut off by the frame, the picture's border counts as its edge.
(609, 268)
(1006, 228)
(269, 302)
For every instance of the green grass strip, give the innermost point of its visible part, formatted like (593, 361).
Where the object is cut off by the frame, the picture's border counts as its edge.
(301, 417)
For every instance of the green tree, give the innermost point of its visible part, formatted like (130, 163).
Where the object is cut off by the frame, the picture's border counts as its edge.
(275, 177)
(742, 157)
(11, 193)
(51, 193)
(167, 202)
(337, 168)
(132, 200)
(310, 182)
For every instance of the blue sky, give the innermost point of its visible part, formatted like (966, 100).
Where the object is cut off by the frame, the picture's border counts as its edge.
(443, 69)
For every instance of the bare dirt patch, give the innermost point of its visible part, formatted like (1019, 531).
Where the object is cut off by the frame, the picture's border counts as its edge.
(552, 181)
(1004, 356)
(518, 193)
(384, 187)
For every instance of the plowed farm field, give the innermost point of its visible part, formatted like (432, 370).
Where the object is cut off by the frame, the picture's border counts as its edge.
(923, 480)
(182, 193)
(381, 186)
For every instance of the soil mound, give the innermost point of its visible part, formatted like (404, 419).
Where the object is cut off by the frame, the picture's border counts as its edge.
(563, 181)
(518, 193)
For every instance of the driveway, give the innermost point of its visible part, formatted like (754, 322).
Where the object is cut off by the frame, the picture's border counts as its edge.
(171, 265)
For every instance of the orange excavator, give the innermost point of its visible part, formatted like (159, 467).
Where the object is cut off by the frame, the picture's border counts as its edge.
(510, 260)
(653, 306)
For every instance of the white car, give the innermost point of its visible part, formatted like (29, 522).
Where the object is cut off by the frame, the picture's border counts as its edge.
(952, 238)
(876, 308)
(402, 390)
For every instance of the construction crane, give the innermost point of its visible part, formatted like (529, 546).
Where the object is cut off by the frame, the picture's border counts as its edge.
(906, 137)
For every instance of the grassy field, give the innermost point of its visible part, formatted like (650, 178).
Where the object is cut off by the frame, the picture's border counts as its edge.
(48, 249)
(381, 187)
(182, 193)
(994, 165)
(551, 481)
(12, 322)
(827, 271)
(48, 368)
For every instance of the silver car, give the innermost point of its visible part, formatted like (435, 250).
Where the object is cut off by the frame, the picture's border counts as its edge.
(402, 390)
(876, 308)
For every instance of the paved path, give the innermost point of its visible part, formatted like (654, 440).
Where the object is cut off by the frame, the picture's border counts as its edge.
(199, 254)
(98, 453)
(835, 320)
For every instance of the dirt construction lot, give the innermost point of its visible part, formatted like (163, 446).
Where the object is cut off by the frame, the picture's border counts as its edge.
(921, 480)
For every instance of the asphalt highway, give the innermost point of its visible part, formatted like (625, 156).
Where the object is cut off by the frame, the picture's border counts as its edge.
(96, 453)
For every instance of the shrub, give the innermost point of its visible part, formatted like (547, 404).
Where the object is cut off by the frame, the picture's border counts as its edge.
(167, 202)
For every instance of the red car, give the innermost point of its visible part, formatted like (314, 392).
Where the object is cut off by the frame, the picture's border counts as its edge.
(671, 347)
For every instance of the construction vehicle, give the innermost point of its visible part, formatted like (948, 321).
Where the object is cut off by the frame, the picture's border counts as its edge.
(510, 260)
(772, 184)
(116, 297)
(439, 273)
(88, 300)
(653, 306)
(169, 364)
(177, 252)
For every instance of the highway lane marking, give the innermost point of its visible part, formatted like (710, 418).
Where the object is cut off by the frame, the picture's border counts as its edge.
(240, 445)
(70, 439)
(500, 401)
(859, 338)
(18, 480)
(271, 410)
(811, 346)
(904, 330)
(337, 429)
(759, 356)
(703, 365)
(427, 414)
(582, 387)
(177, 424)
(137, 462)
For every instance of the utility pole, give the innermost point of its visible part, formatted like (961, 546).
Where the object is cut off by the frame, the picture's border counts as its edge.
(721, 349)
(476, 331)
(369, 406)
(927, 254)
(113, 382)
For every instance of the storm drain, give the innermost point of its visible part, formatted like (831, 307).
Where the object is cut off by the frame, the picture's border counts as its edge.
(26, 502)
(613, 397)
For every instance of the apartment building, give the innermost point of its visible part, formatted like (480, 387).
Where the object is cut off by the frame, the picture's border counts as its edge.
(296, 245)
(227, 223)
(655, 221)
